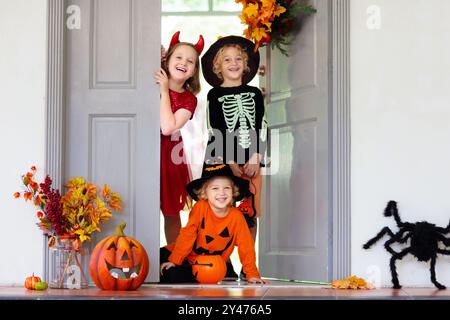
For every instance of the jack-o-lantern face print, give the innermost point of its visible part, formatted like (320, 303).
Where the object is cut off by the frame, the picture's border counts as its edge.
(210, 242)
(119, 263)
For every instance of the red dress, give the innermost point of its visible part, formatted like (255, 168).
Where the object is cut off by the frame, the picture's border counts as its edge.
(175, 174)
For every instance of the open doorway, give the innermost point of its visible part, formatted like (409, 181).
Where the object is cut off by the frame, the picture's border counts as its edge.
(212, 19)
(92, 114)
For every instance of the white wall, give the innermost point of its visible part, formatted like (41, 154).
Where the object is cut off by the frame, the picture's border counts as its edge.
(22, 132)
(400, 128)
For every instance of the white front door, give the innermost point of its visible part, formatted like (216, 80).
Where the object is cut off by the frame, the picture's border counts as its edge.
(112, 117)
(296, 218)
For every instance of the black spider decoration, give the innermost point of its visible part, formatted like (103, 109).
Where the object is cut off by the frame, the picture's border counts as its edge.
(424, 245)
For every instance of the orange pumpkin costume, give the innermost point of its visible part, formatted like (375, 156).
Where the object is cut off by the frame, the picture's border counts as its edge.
(205, 233)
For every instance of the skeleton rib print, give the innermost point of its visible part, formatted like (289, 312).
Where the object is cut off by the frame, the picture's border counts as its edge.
(239, 107)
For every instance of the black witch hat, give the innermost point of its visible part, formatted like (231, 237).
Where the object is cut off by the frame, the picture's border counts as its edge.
(211, 170)
(208, 59)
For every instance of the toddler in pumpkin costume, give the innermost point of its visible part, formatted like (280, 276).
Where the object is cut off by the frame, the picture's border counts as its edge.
(214, 227)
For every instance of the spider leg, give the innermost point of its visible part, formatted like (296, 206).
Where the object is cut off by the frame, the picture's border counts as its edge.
(444, 230)
(442, 251)
(403, 240)
(396, 238)
(433, 274)
(380, 235)
(445, 240)
(397, 256)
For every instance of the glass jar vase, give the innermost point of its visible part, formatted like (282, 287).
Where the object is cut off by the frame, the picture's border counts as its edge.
(67, 264)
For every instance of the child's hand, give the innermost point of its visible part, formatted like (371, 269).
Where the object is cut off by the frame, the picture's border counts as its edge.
(162, 79)
(251, 168)
(237, 171)
(257, 280)
(166, 265)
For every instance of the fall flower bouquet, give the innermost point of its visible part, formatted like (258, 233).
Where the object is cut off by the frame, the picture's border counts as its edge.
(75, 215)
(273, 22)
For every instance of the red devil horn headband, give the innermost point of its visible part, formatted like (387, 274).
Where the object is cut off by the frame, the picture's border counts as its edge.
(199, 46)
(175, 39)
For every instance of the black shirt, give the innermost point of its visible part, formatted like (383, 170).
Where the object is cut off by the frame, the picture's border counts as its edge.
(236, 122)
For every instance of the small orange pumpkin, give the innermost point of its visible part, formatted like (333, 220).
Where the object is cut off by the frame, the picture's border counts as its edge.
(209, 269)
(31, 281)
(119, 262)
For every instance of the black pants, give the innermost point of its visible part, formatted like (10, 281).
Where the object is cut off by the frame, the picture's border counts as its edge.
(177, 274)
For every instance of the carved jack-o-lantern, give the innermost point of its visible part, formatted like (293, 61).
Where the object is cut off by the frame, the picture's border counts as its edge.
(119, 262)
(209, 269)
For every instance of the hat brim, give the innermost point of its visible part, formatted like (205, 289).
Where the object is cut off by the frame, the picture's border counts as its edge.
(208, 59)
(243, 187)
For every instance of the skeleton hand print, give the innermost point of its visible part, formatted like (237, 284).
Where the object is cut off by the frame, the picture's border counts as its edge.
(239, 107)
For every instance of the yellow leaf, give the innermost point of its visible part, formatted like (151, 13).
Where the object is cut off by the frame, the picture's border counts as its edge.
(76, 182)
(269, 26)
(259, 33)
(251, 10)
(279, 10)
(268, 3)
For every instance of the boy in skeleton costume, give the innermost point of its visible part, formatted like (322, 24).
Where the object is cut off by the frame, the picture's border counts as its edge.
(236, 116)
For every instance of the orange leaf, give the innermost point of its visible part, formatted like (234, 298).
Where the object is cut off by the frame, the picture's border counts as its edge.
(34, 185)
(91, 190)
(28, 196)
(16, 195)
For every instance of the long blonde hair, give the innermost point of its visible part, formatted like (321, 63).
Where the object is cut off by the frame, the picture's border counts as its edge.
(193, 83)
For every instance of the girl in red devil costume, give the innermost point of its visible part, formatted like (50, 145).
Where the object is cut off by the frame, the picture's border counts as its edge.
(179, 82)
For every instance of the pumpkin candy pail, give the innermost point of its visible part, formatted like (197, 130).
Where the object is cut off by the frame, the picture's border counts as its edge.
(119, 262)
(209, 269)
